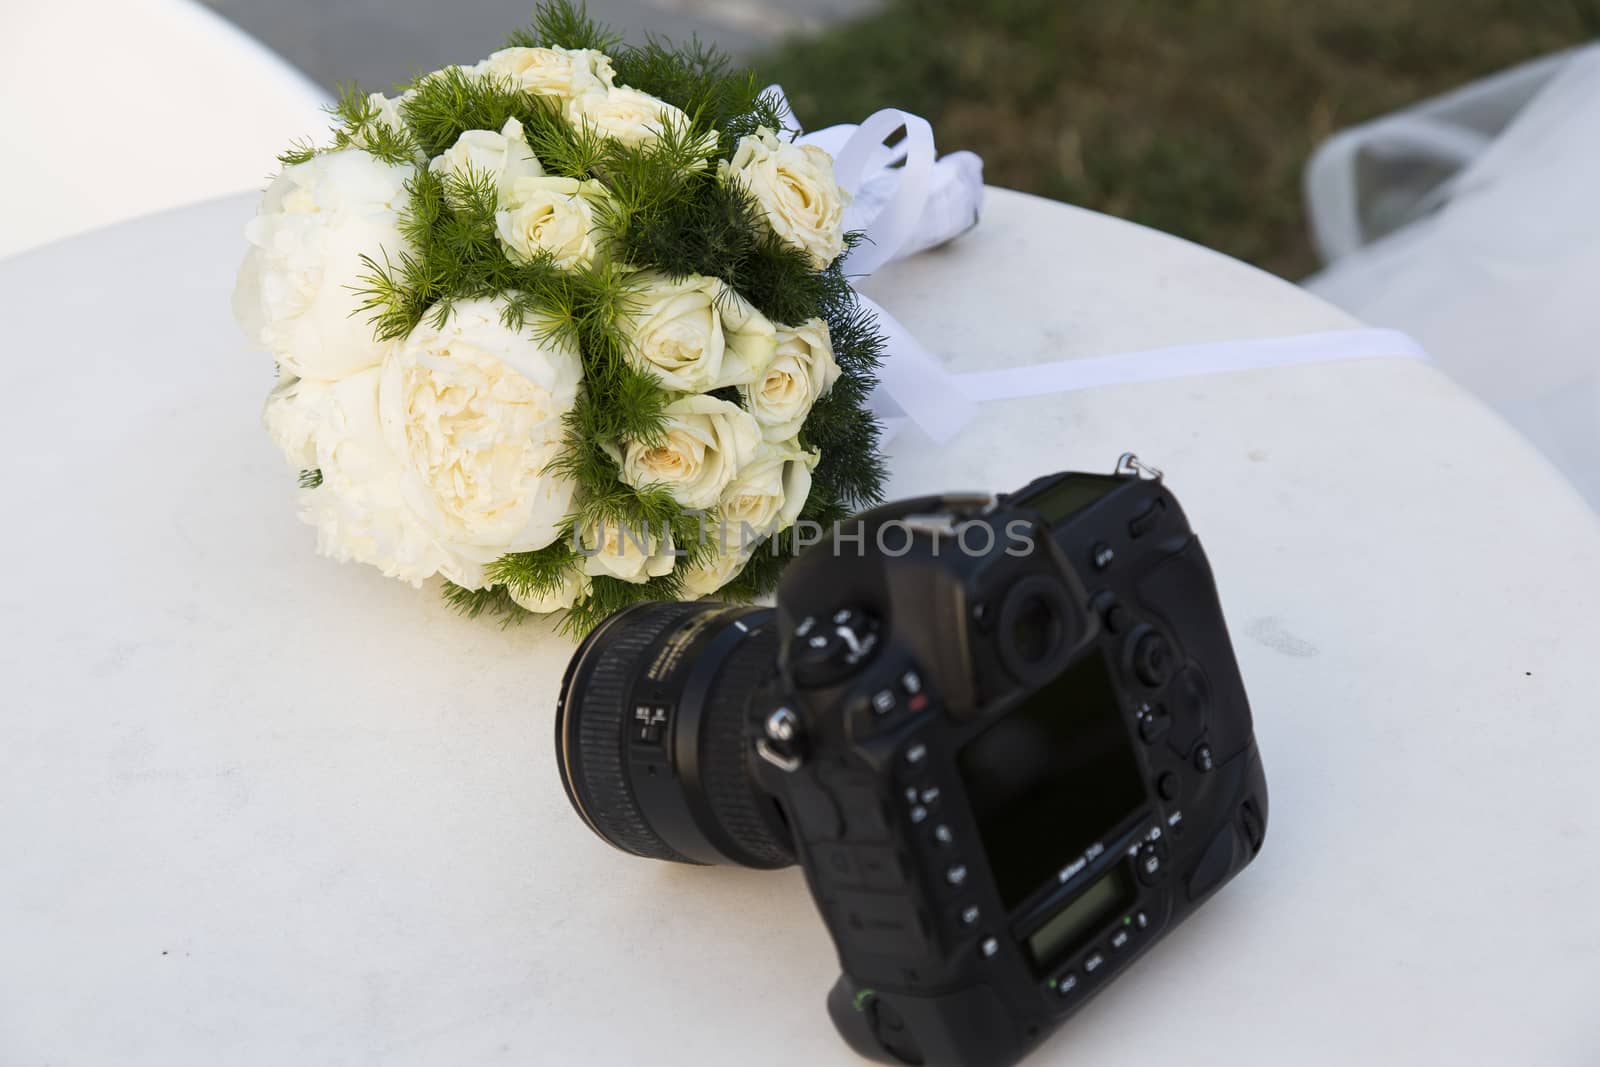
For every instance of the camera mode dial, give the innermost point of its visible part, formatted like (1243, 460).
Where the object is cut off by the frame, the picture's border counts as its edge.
(826, 649)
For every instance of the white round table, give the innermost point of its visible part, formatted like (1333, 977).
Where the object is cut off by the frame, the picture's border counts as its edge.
(261, 809)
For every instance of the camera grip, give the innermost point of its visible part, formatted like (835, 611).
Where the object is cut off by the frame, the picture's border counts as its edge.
(1181, 591)
(969, 1027)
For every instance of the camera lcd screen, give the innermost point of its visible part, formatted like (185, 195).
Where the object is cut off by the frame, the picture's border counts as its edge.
(1087, 913)
(1051, 778)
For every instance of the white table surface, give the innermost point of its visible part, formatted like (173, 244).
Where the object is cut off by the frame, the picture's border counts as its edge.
(261, 809)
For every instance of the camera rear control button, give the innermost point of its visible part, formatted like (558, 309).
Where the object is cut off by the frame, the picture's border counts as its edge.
(969, 915)
(884, 701)
(1113, 615)
(1150, 862)
(1204, 760)
(1095, 961)
(1119, 940)
(1154, 722)
(1066, 984)
(990, 947)
(1168, 786)
(930, 795)
(1153, 659)
(919, 813)
(956, 874)
(942, 834)
(911, 683)
(1101, 555)
(917, 754)
(1147, 518)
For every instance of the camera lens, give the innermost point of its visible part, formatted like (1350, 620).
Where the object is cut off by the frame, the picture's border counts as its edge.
(654, 735)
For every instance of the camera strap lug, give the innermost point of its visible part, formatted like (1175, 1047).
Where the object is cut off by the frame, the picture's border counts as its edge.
(1130, 465)
(781, 746)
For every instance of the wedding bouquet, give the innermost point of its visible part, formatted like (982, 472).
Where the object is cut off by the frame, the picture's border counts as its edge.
(567, 328)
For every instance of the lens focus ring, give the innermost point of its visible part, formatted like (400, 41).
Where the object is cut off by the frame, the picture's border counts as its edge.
(592, 766)
(680, 785)
(725, 754)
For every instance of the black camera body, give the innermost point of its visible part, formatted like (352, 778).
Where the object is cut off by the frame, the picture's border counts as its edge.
(1006, 739)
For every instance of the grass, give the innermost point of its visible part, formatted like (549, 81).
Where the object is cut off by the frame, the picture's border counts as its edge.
(1191, 116)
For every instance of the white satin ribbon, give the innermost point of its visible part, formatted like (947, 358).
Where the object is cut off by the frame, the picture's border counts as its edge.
(1184, 361)
(906, 199)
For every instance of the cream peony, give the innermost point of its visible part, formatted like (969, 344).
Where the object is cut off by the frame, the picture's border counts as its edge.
(574, 586)
(558, 72)
(296, 293)
(359, 510)
(697, 334)
(802, 370)
(291, 415)
(612, 549)
(708, 441)
(795, 187)
(472, 412)
(554, 215)
(625, 115)
(504, 156)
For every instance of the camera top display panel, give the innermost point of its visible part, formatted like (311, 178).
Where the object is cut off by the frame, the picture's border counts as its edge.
(1059, 497)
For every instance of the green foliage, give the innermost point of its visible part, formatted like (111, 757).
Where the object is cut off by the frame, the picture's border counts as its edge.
(1191, 116)
(666, 211)
(560, 25)
(492, 600)
(310, 479)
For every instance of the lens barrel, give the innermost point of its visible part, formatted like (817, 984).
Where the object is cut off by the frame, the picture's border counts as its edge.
(654, 734)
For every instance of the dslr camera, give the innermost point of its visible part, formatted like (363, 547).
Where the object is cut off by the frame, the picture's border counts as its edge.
(1005, 738)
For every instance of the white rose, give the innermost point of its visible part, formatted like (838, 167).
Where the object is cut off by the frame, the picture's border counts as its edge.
(473, 414)
(718, 569)
(613, 549)
(697, 334)
(627, 115)
(765, 498)
(558, 72)
(574, 586)
(768, 492)
(802, 370)
(795, 188)
(296, 290)
(706, 444)
(554, 215)
(293, 411)
(504, 156)
(359, 510)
